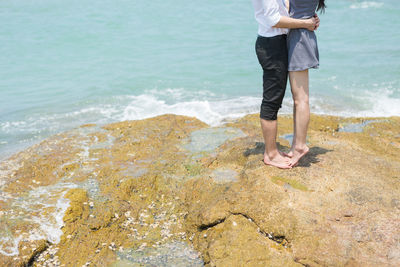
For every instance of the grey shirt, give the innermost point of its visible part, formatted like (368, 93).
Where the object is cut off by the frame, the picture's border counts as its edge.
(302, 9)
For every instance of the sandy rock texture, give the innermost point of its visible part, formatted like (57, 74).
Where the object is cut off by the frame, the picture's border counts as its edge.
(173, 191)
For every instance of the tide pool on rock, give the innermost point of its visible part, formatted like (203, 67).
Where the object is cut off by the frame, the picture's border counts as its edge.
(171, 190)
(207, 140)
(224, 175)
(177, 254)
(355, 127)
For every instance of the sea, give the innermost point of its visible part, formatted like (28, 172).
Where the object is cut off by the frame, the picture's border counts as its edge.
(68, 63)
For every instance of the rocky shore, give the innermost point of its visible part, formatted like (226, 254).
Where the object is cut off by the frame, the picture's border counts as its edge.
(172, 191)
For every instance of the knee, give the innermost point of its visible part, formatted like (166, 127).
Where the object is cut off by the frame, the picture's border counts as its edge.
(301, 101)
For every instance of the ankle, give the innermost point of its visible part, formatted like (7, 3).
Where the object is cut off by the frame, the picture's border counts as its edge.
(271, 154)
(301, 147)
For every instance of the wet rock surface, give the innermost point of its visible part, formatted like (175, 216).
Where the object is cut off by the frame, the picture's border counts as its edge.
(172, 191)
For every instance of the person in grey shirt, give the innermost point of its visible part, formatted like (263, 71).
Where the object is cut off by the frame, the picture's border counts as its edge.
(271, 49)
(302, 55)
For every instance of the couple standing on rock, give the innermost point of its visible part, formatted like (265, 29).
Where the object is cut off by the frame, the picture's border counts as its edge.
(286, 44)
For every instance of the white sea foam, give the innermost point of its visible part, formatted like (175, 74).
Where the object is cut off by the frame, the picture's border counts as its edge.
(383, 103)
(9, 250)
(204, 105)
(47, 225)
(380, 103)
(212, 112)
(51, 229)
(366, 5)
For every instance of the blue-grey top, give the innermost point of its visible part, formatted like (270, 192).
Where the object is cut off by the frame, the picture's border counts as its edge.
(302, 43)
(302, 9)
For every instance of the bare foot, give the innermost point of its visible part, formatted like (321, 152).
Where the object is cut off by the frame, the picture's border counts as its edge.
(298, 153)
(291, 151)
(277, 161)
(289, 154)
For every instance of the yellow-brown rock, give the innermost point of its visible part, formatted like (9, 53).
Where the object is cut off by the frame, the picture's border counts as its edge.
(172, 191)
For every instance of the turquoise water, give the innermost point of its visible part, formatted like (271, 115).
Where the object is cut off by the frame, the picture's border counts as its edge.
(66, 63)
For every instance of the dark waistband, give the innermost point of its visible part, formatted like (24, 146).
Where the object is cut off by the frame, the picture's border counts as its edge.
(281, 36)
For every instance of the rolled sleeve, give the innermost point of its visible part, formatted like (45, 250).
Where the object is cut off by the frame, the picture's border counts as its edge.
(271, 12)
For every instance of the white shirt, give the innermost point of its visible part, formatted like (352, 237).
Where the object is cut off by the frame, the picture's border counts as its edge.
(267, 14)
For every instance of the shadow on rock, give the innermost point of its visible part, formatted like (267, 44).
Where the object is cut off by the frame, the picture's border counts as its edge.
(312, 156)
(260, 147)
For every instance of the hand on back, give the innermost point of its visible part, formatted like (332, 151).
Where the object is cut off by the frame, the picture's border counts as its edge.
(313, 23)
(317, 21)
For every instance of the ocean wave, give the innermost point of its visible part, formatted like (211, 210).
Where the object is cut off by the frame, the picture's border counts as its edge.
(213, 112)
(383, 103)
(366, 5)
(204, 105)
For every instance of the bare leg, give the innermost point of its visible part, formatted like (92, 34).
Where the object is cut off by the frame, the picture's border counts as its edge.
(301, 114)
(290, 154)
(271, 153)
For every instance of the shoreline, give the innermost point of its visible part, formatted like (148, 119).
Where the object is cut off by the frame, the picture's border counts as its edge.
(356, 119)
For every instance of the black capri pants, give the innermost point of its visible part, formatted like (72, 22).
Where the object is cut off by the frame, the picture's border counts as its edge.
(273, 57)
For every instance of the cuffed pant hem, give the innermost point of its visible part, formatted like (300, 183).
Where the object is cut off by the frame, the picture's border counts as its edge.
(269, 116)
